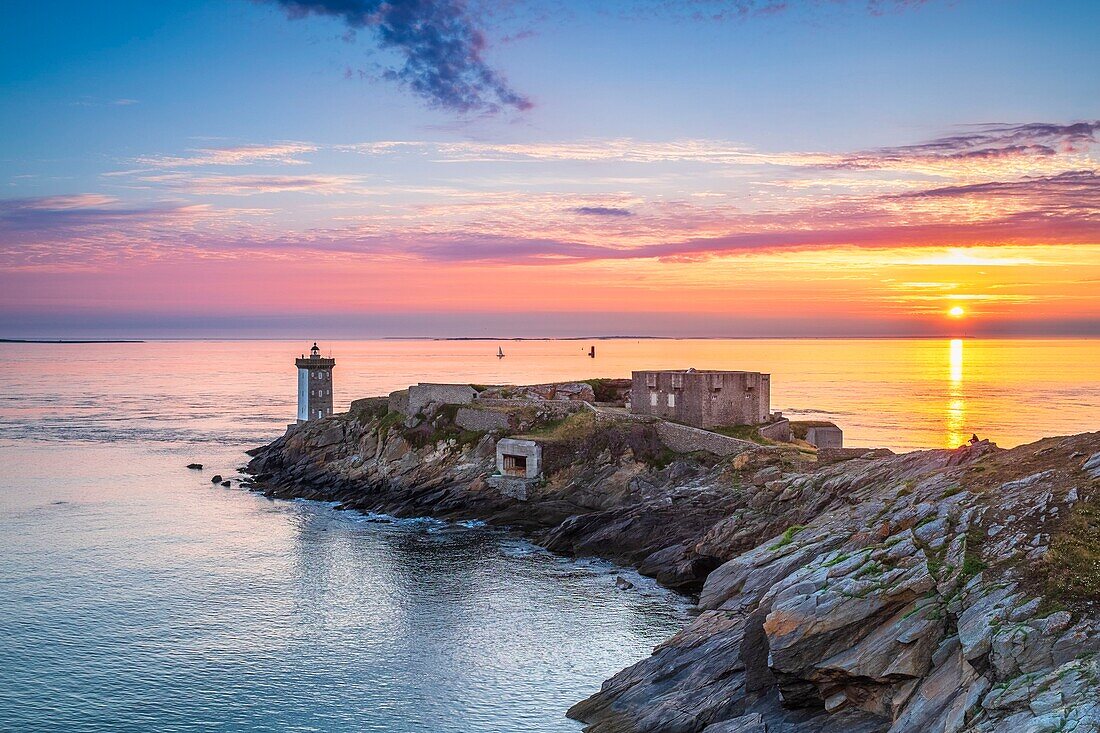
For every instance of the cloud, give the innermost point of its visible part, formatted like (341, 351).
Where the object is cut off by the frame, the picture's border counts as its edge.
(96, 102)
(1069, 194)
(972, 197)
(249, 185)
(602, 211)
(725, 10)
(1015, 148)
(441, 45)
(287, 153)
(987, 142)
(63, 212)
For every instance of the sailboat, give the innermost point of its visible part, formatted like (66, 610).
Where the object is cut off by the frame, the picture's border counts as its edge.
(500, 352)
(592, 352)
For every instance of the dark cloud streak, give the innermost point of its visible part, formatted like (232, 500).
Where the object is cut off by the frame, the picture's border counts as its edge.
(441, 45)
(602, 211)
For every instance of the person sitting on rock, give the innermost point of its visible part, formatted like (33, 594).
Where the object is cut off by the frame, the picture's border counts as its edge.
(974, 439)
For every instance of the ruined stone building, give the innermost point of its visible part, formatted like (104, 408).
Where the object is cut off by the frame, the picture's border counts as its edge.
(702, 398)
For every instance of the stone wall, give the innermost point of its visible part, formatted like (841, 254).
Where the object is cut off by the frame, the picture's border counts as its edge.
(413, 400)
(560, 408)
(779, 430)
(684, 439)
(399, 401)
(485, 420)
(559, 391)
(511, 487)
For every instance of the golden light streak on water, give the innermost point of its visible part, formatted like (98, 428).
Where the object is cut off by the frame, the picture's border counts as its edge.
(955, 415)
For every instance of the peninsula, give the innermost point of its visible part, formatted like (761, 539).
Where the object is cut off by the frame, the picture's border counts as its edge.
(839, 589)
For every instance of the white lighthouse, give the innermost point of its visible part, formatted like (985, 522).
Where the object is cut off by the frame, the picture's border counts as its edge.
(314, 385)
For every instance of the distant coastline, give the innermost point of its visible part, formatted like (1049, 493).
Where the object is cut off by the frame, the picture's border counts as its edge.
(71, 341)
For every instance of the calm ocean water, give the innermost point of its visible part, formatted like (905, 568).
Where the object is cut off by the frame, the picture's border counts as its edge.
(134, 595)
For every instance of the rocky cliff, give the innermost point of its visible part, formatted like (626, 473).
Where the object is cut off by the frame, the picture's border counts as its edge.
(946, 590)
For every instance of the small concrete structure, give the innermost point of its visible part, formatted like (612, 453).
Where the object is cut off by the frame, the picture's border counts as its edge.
(519, 466)
(702, 399)
(314, 385)
(519, 458)
(824, 435)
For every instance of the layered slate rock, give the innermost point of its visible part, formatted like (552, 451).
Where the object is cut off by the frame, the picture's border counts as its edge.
(947, 590)
(894, 606)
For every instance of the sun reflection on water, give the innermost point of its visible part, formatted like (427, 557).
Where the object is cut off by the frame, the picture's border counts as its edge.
(956, 404)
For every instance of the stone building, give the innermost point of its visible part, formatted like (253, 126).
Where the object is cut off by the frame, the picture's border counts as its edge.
(519, 458)
(314, 385)
(519, 466)
(702, 398)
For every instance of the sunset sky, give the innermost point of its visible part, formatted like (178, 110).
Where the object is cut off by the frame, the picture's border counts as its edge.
(327, 168)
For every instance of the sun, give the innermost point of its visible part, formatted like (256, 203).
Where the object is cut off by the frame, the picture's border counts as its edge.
(956, 312)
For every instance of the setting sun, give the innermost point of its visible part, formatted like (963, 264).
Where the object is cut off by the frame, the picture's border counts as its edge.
(956, 312)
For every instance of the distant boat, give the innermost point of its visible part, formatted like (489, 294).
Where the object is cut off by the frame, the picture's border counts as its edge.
(500, 352)
(592, 352)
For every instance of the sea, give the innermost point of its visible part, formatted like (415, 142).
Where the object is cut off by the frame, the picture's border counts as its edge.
(136, 595)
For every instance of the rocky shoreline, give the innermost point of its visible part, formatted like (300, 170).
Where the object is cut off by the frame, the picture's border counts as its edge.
(945, 590)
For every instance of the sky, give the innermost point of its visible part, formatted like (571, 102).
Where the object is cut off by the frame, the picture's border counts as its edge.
(355, 168)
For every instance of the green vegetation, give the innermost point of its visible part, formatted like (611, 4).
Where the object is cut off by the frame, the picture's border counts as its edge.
(1071, 570)
(788, 536)
(972, 559)
(429, 434)
(742, 432)
(951, 492)
(387, 421)
(577, 426)
(836, 560)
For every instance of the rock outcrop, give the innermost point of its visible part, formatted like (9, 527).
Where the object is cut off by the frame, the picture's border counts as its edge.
(944, 590)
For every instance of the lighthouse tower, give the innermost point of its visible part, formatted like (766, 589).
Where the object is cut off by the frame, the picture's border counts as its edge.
(314, 385)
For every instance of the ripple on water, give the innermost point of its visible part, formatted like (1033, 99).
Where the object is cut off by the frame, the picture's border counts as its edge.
(154, 600)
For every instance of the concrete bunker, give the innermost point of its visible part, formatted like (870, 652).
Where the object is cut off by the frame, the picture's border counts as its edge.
(519, 458)
(825, 435)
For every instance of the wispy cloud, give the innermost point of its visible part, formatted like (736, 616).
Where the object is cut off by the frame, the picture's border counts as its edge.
(249, 185)
(695, 199)
(1002, 148)
(727, 10)
(442, 47)
(286, 153)
(96, 102)
(54, 212)
(1075, 192)
(983, 143)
